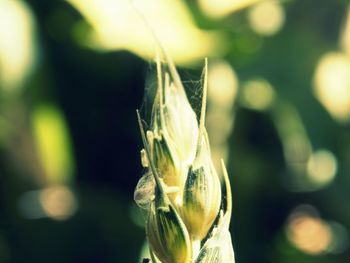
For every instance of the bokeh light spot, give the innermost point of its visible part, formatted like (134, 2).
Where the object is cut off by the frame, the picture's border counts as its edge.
(266, 18)
(58, 202)
(222, 93)
(332, 84)
(322, 167)
(17, 47)
(223, 84)
(258, 94)
(307, 232)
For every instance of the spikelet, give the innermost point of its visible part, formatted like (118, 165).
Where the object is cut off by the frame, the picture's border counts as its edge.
(202, 190)
(181, 190)
(167, 235)
(218, 248)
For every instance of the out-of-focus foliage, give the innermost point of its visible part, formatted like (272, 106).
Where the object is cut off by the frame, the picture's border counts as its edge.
(120, 25)
(222, 8)
(53, 144)
(17, 43)
(278, 113)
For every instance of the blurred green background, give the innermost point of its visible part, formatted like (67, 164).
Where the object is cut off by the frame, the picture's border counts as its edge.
(73, 72)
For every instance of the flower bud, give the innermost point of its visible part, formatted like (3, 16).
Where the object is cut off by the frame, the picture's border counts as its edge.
(167, 235)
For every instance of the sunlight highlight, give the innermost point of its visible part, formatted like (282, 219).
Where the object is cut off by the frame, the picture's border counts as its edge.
(58, 202)
(332, 84)
(223, 84)
(258, 94)
(322, 167)
(267, 17)
(55, 202)
(116, 25)
(17, 48)
(307, 232)
(222, 92)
